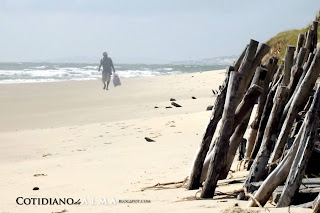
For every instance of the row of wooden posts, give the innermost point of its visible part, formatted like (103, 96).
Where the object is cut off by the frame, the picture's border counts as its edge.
(287, 109)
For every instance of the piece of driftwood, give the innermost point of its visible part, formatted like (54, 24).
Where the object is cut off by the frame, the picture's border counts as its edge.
(302, 195)
(306, 67)
(308, 63)
(245, 68)
(242, 148)
(316, 205)
(307, 183)
(239, 60)
(277, 75)
(235, 140)
(278, 175)
(263, 123)
(246, 104)
(296, 72)
(175, 104)
(261, 52)
(288, 63)
(245, 109)
(258, 169)
(209, 108)
(250, 62)
(219, 157)
(305, 205)
(315, 35)
(271, 67)
(304, 152)
(300, 42)
(298, 102)
(258, 79)
(243, 112)
(149, 139)
(195, 174)
(308, 44)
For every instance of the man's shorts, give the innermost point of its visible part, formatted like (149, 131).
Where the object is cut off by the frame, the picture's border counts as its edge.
(106, 76)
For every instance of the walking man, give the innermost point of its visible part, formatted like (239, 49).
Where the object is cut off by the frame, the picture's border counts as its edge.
(106, 64)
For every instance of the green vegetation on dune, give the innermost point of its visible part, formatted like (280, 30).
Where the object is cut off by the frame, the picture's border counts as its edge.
(279, 42)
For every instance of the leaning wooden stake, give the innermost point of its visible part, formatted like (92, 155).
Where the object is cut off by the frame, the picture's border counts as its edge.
(258, 169)
(303, 155)
(298, 101)
(306, 67)
(279, 175)
(194, 178)
(240, 59)
(219, 157)
(242, 116)
(316, 205)
(245, 68)
(271, 67)
(299, 45)
(288, 63)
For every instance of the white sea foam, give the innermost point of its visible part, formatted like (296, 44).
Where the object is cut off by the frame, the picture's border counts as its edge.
(30, 73)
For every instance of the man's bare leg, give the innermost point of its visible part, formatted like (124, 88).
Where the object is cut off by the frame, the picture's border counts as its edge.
(107, 84)
(104, 85)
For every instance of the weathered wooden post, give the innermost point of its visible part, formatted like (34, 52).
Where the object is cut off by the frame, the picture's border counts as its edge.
(277, 75)
(300, 42)
(305, 70)
(316, 204)
(288, 63)
(242, 113)
(303, 155)
(296, 71)
(245, 109)
(263, 123)
(298, 101)
(271, 67)
(219, 157)
(305, 136)
(195, 174)
(279, 174)
(258, 170)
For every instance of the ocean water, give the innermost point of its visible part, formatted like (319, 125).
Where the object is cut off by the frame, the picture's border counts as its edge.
(55, 72)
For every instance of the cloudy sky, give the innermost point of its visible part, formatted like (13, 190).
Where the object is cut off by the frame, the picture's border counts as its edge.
(143, 30)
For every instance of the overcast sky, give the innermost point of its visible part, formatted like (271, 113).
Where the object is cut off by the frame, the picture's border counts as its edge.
(143, 30)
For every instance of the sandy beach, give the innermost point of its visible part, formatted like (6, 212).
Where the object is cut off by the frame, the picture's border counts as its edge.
(75, 140)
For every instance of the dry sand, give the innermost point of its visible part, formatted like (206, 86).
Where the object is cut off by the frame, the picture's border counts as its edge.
(75, 140)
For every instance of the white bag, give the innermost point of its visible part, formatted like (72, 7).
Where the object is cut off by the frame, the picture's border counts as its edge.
(116, 80)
